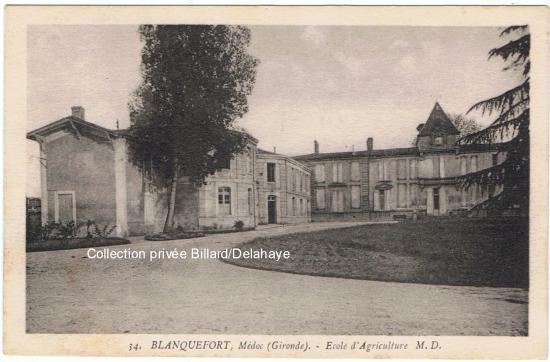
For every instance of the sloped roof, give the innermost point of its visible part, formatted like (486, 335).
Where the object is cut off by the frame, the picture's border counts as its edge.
(72, 122)
(407, 151)
(438, 122)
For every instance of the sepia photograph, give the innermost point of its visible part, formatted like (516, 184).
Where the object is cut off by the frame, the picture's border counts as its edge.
(235, 178)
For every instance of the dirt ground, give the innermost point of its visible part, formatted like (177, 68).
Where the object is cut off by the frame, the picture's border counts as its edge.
(69, 293)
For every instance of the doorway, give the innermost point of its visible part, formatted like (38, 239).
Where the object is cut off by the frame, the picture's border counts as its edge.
(64, 206)
(271, 209)
(436, 202)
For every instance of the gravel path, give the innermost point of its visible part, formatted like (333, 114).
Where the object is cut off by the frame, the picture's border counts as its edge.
(69, 293)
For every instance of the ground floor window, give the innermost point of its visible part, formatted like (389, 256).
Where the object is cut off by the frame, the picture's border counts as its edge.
(224, 200)
(320, 199)
(337, 204)
(356, 197)
(382, 199)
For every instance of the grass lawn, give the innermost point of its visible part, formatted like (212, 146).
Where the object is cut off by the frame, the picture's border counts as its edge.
(437, 251)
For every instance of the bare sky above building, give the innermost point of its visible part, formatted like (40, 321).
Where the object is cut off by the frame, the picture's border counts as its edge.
(336, 84)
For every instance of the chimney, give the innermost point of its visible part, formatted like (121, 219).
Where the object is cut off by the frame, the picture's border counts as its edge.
(316, 146)
(370, 142)
(353, 149)
(77, 112)
(274, 149)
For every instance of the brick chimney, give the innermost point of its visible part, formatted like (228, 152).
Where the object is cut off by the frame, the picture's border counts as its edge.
(316, 146)
(77, 112)
(370, 143)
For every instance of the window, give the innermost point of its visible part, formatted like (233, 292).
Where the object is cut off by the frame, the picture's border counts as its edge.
(438, 140)
(320, 173)
(463, 167)
(381, 200)
(401, 169)
(473, 164)
(355, 174)
(320, 198)
(436, 199)
(381, 171)
(270, 172)
(301, 207)
(412, 169)
(402, 195)
(337, 172)
(495, 159)
(356, 197)
(293, 206)
(225, 163)
(250, 202)
(224, 200)
(337, 204)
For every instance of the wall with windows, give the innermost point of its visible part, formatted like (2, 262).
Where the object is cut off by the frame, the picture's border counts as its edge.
(283, 190)
(338, 186)
(228, 195)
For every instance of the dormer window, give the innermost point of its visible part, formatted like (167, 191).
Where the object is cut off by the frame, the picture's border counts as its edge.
(438, 140)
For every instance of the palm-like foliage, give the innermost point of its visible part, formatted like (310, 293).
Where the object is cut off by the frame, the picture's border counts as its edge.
(510, 129)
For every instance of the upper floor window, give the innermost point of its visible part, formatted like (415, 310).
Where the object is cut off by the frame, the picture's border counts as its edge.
(270, 172)
(225, 163)
(438, 140)
(320, 173)
(473, 164)
(355, 174)
(337, 172)
(495, 159)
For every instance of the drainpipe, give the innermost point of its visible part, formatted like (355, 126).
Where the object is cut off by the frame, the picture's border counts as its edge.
(254, 188)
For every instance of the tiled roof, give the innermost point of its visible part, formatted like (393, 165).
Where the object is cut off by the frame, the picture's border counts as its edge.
(409, 151)
(438, 122)
(71, 121)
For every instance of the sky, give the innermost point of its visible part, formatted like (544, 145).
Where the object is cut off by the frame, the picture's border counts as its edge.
(336, 84)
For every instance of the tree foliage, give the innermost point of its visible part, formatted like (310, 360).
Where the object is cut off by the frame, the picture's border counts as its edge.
(466, 125)
(510, 128)
(195, 84)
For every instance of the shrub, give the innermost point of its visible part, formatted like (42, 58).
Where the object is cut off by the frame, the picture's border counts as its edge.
(93, 231)
(239, 225)
(58, 230)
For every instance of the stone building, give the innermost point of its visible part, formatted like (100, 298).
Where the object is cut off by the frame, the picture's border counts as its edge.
(398, 182)
(283, 189)
(86, 175)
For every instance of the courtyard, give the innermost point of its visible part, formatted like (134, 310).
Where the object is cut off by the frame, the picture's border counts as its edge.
(69, 293)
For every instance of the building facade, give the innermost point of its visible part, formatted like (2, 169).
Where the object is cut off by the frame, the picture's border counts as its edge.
(283, 189)
(399, 182)
(86, 175)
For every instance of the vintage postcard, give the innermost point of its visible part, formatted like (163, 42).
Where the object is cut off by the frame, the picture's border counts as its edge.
(291, 181)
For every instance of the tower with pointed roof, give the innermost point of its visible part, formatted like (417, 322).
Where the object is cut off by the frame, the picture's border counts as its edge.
(438, 132)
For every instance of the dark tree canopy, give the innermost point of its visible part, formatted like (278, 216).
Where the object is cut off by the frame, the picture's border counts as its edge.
(510, 128)
(195, 84)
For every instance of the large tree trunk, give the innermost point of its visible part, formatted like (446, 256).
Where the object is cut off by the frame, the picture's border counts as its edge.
(169, 224)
